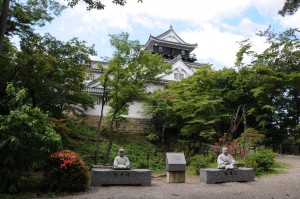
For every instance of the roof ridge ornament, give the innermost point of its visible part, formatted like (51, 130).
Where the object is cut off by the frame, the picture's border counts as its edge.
(171, 27)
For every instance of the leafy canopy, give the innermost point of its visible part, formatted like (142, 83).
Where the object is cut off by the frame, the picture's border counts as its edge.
(26, 140)
(53, 72)
(127, 76)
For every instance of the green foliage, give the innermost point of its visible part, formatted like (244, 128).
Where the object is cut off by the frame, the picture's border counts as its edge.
(128, 74)
(250, 137)
(290, 7)
(139, 152)
(53, 72)
(79, 127)
(66, 171)
(197, 106)
(130, 70)
(61, 127)
(262, 161)
(263, 95)
(199, 161)
(93, 4)
(24, 16)
(159, 105)
(26, 140)
(7, 71)
(152, 137)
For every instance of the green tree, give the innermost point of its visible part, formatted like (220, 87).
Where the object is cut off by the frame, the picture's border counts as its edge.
(194, 106)
(207, 104)
(8, 71)
(290, 7)
(3, 21)
(53, 72)
(251, 137)
(131, 71)
(96, 4)
(19, 18)
(104, 79)
(160, 106)
(277, 92)
(26, 140)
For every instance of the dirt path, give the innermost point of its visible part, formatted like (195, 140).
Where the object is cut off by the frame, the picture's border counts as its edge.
(286, 185)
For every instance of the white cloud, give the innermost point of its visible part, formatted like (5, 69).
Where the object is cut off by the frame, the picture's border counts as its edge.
(290, 21)
(218, 44)
(268, 7)
(205, 22)
(151, 12)
(246, 27)
(214, 46)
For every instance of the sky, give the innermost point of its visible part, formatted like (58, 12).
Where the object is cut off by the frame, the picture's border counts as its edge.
(215, 25)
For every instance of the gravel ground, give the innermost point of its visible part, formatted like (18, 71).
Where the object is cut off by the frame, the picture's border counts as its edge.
(286, 185)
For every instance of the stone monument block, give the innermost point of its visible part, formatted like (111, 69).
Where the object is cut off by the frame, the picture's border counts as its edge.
(176, 177)
(107, 177)
(176, 166)
(175, 162)
(212, 176)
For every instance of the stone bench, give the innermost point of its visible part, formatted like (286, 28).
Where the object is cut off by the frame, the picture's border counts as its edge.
(212, 176)
(106, 177)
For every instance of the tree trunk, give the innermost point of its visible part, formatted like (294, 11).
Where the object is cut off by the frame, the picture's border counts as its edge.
(3, 21)
(191, 148)
(98, 131)
(235, 122)
(163, 139)
(244, 116)
(111, 136)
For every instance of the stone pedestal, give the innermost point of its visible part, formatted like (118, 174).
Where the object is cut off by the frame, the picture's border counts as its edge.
(102, 177)
(176, 177)
(176, 166)
(212, 176)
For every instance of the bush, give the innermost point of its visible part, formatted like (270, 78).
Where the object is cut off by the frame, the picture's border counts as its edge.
(26, 140)
(199, 161)
(212, 157)
(262, 161)
(66, 172)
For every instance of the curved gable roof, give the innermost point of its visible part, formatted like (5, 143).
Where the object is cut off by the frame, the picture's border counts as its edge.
(169, 38)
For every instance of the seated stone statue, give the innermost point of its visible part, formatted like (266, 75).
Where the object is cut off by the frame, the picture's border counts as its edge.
(121, 161)
(226, 161)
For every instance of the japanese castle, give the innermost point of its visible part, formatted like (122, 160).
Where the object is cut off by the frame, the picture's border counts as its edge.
(172, 48)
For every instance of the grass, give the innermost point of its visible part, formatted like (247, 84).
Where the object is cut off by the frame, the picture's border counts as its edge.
(279, 168)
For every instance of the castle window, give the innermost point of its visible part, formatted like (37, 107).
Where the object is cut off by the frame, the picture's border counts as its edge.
(90, 76)
(160, 48)
(98, 101)
(181, 76)
(183, 52)
(178, 76)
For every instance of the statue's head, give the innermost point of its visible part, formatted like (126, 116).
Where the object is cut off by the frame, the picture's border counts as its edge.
(225, 151)
(121, 152)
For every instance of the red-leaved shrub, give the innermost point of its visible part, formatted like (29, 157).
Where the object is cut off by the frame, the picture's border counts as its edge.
(66, 172)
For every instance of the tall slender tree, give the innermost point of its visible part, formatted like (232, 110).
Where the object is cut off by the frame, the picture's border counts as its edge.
(131, 70)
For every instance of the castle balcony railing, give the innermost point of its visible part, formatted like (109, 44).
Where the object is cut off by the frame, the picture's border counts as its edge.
(94, 90)
(172, 53)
